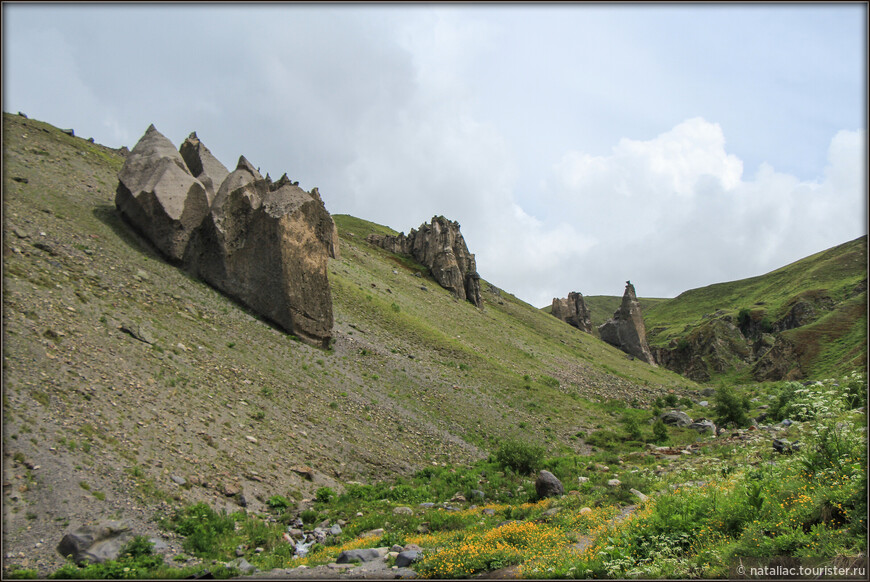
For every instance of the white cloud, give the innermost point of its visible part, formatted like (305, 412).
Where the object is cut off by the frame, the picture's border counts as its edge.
(676, 213)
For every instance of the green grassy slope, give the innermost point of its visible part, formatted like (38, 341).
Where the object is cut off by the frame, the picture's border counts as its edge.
(833, 343)
(414, 376)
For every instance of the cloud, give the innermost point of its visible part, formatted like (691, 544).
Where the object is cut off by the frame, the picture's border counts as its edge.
(675, 212)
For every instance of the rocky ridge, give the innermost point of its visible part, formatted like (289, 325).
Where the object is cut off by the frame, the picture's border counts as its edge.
(573, 311)
(440, 247)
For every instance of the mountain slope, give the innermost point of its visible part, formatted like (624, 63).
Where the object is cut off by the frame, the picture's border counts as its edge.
(130, 386)
(807, 319)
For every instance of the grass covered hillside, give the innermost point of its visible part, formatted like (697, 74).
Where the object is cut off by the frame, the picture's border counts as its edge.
(132, 389)
(807, 319)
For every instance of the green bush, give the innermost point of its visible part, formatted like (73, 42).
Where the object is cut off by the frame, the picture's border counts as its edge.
(204, 529)
(520, 456)
(278, 502)
(728, 407)
(660, 432)
(632, 428)
(324, 495)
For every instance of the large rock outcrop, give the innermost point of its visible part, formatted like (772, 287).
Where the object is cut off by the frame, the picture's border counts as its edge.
(441, 248)
(626, 330)
(573, 311)
(265, 244)
(203, 165)
(159, 196)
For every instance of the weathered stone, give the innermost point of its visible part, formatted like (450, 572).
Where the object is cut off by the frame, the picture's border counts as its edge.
(548, 485)
(157, 194)
(403, 511)
(95, 543)
(203, 165)
(573, 311)
(703, 426)
(639, 495)
(268, 246)
(625, 330)
(405, 559)
(440, 247)
(614, 482)
(363, 555)
(676, 417)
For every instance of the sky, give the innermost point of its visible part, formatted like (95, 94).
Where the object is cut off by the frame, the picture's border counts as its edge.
(578, 145)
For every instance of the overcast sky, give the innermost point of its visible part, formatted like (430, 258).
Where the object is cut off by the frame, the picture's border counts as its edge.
(577, 145)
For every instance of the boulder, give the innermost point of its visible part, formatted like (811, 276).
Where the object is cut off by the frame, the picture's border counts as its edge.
(547, 485)
(363, 555)
(573, 311)
(703, 426)
(441, 248)
(625, 330)
(95, 543)
(159, 196)
(267, 245)
(406, 558)
(203, 165)
(675, 417)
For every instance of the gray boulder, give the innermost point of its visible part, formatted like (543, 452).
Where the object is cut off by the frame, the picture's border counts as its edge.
(95, 544)
(703, 426)
(676, 417)
(626, 330)
(268, 245)
(406, 558)
(547, 485)
(363, 555)
(203, 165)
(158, 196)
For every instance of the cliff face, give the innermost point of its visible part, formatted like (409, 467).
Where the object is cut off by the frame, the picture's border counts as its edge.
(626, 330)
(441, 248)
(573, 311)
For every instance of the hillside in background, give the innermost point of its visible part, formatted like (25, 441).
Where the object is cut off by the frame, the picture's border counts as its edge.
(805, 320)
(129, 385)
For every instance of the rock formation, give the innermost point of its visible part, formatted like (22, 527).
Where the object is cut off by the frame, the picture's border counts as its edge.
(159, 196)
(626, 330)
(203, 165)
(440, 247)
(573, 311)
(265, 244)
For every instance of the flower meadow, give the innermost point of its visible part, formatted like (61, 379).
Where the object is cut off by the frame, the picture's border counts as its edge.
(730, 499)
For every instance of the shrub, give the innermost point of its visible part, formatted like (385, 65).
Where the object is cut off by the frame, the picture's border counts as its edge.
(203, 529)
(729, 408)
(660, 432)
(520, 456)
(324, 495)
(632, 428)
(278, 502)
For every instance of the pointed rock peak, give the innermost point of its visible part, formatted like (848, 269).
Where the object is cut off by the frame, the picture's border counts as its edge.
(151, 129)
(192, 136)
(247, 166)
(629, 291)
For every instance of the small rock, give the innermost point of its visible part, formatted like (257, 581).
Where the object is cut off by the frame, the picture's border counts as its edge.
(403, 511)
(362, 555)
(178, 480)
(547, 485)
(585, 510)
(614, 483)
(405, 559)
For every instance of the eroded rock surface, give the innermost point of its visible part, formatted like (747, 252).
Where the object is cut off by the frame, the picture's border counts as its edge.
(440, 247)
(626, 329)
(203, 165)
(265, 244)
(573, 311)
(159, 196)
